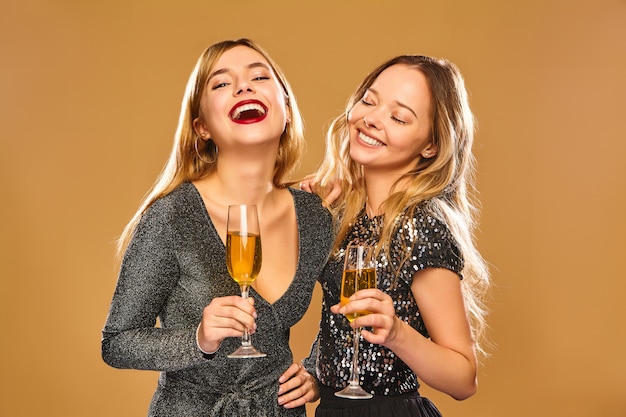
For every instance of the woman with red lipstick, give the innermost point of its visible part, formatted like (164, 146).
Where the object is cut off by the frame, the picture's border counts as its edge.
(239, 137)
(402, 151)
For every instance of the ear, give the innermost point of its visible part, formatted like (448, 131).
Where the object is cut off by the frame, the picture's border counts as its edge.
(201, 129)
(287, 111)
(429, 151)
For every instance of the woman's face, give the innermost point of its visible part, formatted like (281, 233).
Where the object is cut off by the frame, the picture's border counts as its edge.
(390, 127)
(243, 101)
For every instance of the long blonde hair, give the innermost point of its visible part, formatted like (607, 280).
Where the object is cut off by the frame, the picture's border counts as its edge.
(446, 181)
(192, 158)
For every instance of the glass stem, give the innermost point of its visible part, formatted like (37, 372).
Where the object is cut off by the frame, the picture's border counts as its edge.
(354, 372)
(245, 339)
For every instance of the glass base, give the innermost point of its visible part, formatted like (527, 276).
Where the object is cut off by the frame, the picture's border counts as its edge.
(246, 352)
(354, 392)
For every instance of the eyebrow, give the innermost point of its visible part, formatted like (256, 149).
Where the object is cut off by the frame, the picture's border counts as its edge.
(373, 90)
(249, 66)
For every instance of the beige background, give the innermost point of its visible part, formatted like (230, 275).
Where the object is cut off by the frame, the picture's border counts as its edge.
(89, 99)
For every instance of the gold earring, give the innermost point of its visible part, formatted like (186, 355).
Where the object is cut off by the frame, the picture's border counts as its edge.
(198, 152)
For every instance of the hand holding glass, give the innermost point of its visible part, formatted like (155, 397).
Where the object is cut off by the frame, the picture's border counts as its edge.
(243, 260)
(359, 273)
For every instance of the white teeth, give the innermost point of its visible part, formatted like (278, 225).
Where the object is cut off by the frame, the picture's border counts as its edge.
(369, 141)
(247, 107)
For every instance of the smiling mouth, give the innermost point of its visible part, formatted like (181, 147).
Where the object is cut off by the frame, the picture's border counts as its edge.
(248, 112)
(370, 141)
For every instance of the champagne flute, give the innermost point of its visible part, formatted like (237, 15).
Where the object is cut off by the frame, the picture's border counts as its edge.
(359, 273)
(243, 259)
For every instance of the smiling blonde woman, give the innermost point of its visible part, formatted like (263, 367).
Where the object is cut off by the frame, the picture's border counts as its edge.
(239, 137)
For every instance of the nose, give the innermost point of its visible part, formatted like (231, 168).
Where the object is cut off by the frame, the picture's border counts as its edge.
(243, 86)
(371, 121)
(241, 90)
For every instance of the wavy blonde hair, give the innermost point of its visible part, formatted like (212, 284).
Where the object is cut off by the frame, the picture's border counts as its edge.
(446, 181)
(186, 163)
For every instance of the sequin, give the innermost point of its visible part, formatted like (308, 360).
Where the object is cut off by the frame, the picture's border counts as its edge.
(422, 241)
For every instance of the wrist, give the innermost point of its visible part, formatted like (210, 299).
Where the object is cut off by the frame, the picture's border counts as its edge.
(397, 336)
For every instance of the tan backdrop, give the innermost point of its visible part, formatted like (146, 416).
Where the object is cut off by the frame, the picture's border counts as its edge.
(89, 99)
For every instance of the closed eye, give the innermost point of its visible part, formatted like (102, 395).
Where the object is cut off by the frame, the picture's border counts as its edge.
(395, 119)
(219, 85)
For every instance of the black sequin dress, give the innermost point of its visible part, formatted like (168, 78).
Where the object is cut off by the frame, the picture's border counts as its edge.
(420, 242)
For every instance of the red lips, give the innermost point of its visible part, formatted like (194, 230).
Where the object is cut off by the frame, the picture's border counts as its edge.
(248, 111)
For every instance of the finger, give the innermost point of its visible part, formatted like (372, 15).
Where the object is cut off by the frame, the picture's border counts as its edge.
(288, 390)
(243, 311)
(371, 337)
(368, 320)
(229, 317)
(318, 188)
(220, 329)
(245, 304)
(306, 186)
(366, 305)
(288, 379)
(379, 336)
(374, 293)
(289, 373)
(332, 195)
(223, 306)
(302, 392)
(297, 401)
(244, 320)
(377, 328)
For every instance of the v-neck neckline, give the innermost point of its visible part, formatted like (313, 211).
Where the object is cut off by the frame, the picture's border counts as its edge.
(223, 246)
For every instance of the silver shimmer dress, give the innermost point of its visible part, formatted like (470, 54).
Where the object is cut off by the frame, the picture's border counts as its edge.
(173, 267)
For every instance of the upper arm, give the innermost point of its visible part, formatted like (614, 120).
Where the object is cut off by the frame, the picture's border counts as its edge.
(147, 274)
(438, 294)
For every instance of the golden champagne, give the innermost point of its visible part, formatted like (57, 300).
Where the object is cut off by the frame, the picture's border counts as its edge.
(243, 256)
(353, 281)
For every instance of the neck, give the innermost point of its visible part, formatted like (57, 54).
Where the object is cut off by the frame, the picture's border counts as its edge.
(377, 188)
(240, 178)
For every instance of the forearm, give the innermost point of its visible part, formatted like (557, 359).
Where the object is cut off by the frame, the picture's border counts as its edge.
(444, 369)
(310, 362)
(151, 348)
